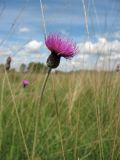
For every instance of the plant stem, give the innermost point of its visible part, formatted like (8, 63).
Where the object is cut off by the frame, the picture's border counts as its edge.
(18, 118)
(59, 125)
(38, 113)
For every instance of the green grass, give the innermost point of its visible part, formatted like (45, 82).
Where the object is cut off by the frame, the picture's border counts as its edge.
(79, 116)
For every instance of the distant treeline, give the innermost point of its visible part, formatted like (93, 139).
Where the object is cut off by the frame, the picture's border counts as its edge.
(33, 67)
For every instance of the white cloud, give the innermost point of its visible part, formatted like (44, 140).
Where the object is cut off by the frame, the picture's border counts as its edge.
(33, 46)
(24, 29)
(102, 54)
(25, 54)
(102, 46)
(79, 62)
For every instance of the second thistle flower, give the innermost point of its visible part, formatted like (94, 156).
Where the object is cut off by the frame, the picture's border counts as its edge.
(59, 47)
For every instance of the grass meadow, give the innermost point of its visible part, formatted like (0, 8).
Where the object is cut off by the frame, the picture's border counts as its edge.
(79, 116)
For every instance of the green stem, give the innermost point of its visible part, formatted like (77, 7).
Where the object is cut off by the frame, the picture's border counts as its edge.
(18, 118)
(38, 113)
(59, 124)
(59, 127)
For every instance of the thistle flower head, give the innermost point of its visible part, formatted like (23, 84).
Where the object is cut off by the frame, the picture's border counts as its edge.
(118, 67)
(25, 83)
(60, 47)
(8, 63)
(9, 59)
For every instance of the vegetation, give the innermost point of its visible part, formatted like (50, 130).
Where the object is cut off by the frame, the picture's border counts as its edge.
(1, 67)
(37, 67)
(79, 116)
(23, 67)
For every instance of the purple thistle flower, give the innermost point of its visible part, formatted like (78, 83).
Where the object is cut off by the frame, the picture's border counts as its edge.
(25, 83)
(60, 47)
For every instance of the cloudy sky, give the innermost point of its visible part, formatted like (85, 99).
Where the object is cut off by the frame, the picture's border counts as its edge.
(93, 24)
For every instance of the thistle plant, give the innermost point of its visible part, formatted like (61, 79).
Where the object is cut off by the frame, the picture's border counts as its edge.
(8, 63)
(25, 83)
(59, 46)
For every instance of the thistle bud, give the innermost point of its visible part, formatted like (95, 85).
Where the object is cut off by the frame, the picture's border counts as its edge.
(8, 63)
(53, 60)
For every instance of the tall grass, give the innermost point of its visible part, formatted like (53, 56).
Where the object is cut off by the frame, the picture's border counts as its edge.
(79, 116)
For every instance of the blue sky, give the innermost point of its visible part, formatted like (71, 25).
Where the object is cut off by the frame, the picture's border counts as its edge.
(93, 24)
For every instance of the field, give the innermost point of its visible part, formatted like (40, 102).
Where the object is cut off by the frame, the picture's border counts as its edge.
(78, 117)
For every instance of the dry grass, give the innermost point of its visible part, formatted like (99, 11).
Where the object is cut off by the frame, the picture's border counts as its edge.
(79, 116)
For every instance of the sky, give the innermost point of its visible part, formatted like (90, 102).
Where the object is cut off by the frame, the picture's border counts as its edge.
(93, 24)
